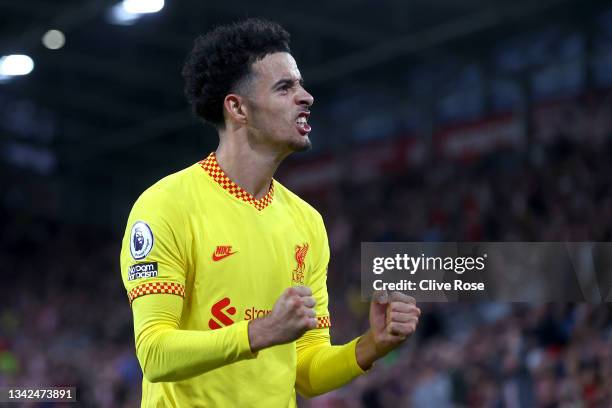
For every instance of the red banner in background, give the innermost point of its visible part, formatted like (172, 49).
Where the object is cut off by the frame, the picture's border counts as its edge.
(483, 137)
(361, 163)
(586, 118)
(582, 118)
(370, 161)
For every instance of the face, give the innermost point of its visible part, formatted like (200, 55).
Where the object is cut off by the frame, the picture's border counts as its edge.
(277, 105)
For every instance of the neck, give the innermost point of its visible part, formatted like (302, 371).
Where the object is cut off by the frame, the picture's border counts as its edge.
(248, 165)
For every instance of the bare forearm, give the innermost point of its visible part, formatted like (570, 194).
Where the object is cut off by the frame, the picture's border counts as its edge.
(261, 335)
(366, 352)
(291, 317)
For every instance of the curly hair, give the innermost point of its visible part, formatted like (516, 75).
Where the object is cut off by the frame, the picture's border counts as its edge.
(220, 62)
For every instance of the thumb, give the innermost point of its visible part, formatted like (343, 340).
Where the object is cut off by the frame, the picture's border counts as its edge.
(380, 296)
(378, 310)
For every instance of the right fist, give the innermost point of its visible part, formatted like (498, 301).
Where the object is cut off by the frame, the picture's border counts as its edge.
(292, 315)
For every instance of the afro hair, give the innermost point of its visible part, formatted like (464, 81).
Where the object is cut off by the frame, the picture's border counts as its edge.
(221, 61)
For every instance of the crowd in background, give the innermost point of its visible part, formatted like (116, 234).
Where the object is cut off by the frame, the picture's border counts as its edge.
(65, 319)
(482, 355)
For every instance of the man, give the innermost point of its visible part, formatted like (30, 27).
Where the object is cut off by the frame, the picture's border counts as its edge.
(228, 280)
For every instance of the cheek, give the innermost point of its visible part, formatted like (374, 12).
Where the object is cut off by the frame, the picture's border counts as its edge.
(274, 118)
(269, 123)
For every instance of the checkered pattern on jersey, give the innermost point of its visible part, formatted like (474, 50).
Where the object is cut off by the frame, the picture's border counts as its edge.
(324, 321)
(211, 166)
(156, 287)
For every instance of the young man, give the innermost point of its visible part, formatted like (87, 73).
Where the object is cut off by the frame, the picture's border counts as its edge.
(225, 268)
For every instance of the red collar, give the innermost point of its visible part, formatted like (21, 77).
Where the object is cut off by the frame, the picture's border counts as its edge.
(211, 166)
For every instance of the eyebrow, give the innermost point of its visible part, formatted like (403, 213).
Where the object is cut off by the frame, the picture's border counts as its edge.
(287, 81)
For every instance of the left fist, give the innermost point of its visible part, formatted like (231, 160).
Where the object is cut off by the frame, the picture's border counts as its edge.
(393, 318)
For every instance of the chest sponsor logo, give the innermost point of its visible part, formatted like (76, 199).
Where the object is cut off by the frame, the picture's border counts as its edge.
(222, 312)
(141, 240)
(222, 252)
(142, 270)
(300, 258)
(253, 313)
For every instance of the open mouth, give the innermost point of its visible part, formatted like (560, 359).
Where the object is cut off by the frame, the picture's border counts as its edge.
(302, 123)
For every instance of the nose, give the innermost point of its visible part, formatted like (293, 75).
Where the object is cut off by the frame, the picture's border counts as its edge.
(304, 98)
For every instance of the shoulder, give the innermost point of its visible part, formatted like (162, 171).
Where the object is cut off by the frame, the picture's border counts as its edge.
(167, 194)
(174, 183)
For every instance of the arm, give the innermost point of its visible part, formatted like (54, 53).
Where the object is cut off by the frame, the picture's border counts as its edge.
(322, 367)
(158, 225)
(167, 353)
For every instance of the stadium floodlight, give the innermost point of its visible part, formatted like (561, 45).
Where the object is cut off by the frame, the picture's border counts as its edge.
(118, 15)
(129, 11)
(54, 39)
(15, 65)
(143, 6)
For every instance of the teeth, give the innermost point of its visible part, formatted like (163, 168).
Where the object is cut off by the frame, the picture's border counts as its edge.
(301, 120)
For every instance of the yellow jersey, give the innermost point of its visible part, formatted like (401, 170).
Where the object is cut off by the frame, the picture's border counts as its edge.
(197, 239)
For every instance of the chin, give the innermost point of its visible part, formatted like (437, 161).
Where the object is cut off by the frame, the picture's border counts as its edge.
(300, 145)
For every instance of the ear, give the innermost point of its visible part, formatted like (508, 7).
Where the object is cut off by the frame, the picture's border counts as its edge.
(234, 107)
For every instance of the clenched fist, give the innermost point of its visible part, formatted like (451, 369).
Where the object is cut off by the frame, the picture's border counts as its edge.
(292, 315)
(393, 318)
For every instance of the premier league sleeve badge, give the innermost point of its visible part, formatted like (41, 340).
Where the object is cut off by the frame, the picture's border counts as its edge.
(141, 240)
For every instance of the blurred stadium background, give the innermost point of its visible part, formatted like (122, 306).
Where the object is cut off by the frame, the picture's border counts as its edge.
(434, 120)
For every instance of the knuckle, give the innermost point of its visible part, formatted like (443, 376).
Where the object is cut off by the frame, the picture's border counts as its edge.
(306, 322)
(397, 306)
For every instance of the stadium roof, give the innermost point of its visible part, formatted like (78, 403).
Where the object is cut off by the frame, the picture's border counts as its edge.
(115, 91)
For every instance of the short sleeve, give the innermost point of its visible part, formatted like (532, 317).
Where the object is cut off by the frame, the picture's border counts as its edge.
(153, 256)
(317, 279)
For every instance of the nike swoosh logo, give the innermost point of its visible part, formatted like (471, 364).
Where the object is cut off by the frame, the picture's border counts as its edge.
(216, 257)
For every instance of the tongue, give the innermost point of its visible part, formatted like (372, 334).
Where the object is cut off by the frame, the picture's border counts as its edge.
(303, 128)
